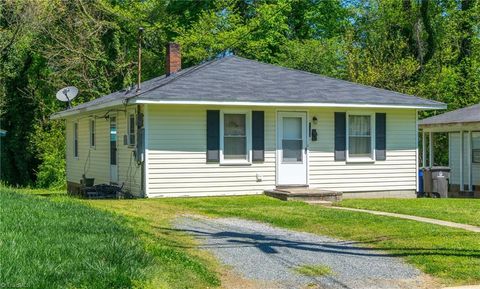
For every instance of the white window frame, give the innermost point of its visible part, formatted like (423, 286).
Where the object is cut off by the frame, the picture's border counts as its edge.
(92, 128)
(76, 145)
(248, 127)
(372, 142)
(129, 128)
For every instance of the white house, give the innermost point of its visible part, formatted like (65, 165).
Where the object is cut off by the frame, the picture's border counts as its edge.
(463, 128)
(238, 126)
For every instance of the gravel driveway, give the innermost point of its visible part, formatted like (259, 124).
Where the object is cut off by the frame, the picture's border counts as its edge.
(270, 255)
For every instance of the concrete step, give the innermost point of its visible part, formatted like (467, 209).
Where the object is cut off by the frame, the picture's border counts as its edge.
(320, 203)
(304, 194)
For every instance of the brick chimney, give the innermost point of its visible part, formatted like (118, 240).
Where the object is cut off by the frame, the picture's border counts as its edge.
(174, 59)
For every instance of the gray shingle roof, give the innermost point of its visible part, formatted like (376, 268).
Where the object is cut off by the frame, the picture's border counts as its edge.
(236, 79)
(462, 115)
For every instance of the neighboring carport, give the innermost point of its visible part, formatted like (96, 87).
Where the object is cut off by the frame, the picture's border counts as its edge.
(463, 128)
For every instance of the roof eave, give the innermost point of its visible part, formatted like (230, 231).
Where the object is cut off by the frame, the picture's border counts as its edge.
(73, 111)
(450, 127)
(291, 104)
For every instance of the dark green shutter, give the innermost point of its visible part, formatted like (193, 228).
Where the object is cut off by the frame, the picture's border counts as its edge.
(340, 136)
(213, 136)
(258, 136)
(380, 136)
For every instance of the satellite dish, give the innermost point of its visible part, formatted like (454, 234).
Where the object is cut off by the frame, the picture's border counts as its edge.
(66, 94)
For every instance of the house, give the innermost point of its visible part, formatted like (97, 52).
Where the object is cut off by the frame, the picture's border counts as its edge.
(237, 126)
(463, 128)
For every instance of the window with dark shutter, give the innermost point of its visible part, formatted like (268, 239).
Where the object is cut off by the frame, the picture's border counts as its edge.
(340, 136)
(380, 136)
(258, 136)
(213, 136)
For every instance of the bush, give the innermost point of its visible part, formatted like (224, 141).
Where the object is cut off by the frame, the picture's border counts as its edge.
(50, 143)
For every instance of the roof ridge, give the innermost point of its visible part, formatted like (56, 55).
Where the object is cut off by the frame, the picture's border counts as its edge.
(336, 79)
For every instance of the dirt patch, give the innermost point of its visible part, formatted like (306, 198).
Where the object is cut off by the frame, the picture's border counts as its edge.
(232, 280)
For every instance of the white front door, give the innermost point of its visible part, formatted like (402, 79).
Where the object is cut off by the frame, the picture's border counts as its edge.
(292, 149)
(113, 150)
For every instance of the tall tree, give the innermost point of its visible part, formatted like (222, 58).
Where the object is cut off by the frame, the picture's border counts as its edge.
(422, 47)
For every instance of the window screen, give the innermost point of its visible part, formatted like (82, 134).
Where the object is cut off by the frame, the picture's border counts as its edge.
(359, 136)
(234, 137)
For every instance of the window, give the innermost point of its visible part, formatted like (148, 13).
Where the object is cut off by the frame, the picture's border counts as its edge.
(360, 144)
(292, 142)
(235, 138)
(113, 140)
(75, 139)
(476, 147)
(92, 133)
(131, 129)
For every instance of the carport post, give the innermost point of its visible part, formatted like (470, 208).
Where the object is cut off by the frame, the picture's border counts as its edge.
(469, 160)
(424, 149)
(430, 148)
(462, 181)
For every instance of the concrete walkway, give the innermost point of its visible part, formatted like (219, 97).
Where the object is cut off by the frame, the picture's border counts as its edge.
(414, 218)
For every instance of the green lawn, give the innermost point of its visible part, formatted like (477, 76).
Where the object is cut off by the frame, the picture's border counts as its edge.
(60, 242)
(465, 211)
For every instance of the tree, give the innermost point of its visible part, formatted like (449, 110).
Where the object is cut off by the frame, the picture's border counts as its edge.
(422, 47)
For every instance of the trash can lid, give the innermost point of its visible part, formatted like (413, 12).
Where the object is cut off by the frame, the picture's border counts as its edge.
(440, 169)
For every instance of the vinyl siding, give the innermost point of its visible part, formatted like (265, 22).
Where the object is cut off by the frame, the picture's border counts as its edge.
(397, 172)
(95, 162)
(176, 157)
(454, 160)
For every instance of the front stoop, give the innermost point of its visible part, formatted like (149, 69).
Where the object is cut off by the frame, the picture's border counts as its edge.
(305, 194)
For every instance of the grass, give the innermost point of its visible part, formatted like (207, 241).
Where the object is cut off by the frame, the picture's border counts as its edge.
(177, 262)
(465, 211)
(60, 242)
(313, 270)
(452, 255)
(35, 191)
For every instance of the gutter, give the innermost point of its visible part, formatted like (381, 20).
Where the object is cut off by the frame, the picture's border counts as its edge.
(291, 104)
(70, 112)
(67, 113)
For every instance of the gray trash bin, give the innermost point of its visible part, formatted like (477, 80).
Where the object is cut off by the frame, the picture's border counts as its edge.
(435, 181)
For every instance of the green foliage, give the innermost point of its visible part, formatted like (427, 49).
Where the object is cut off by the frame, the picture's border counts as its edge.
(427, 48)
(51, 171)
(324, 57)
